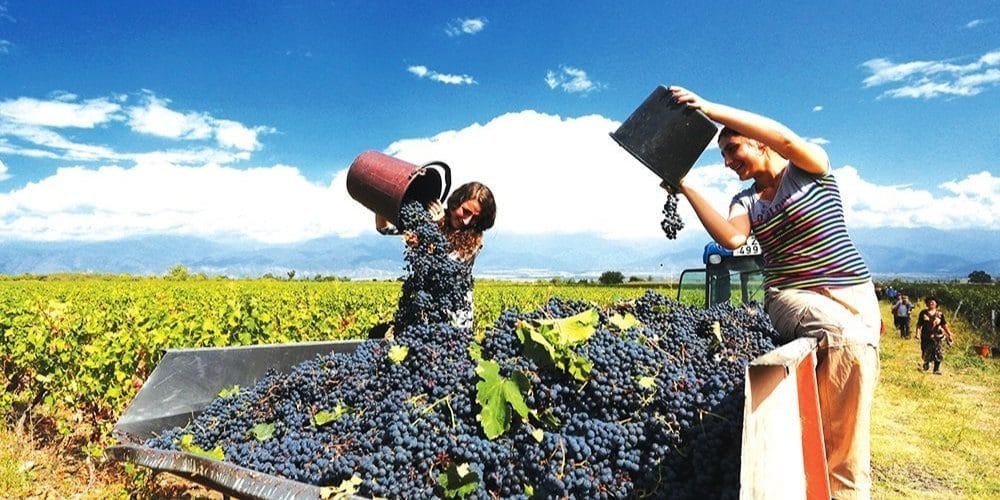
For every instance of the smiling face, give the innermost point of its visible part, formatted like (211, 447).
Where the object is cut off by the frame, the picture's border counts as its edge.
(742, 155)
(464, 215)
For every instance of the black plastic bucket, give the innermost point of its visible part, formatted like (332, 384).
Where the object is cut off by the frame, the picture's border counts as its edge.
(666, 137)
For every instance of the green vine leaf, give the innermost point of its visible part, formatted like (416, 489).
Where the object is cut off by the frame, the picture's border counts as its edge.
(458, 481)
(186, 443)
(623, 323)
(262, 432)
(497, 395)
(229, 391)
(397, 353)
(347, 489)
(324, 417)
(548, 342)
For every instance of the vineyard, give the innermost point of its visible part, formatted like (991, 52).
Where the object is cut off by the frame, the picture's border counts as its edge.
(978, 304)
(76, 351)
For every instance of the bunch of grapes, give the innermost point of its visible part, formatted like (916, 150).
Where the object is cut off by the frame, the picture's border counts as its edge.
(660, 414)
(671, 222)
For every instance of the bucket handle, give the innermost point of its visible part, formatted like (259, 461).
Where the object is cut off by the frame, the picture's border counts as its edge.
(447, 175)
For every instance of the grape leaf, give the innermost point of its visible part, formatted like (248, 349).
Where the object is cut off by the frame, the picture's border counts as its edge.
(324, 417)
(549, 341)
(538, 434)
(229, 391)
(186, 444)
(345, 490)
(397, 353)
(458, 481)
(625, 322)
(497, 395)
(262, 432)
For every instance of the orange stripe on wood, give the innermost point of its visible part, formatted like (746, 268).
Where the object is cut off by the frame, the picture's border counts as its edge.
(813, 448)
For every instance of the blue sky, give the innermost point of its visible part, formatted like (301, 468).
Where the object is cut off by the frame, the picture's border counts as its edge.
(238, 119)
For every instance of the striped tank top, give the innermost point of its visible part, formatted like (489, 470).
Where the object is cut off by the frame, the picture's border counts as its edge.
(802, 233)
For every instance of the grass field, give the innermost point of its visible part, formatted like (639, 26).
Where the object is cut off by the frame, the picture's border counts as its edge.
(933, 436)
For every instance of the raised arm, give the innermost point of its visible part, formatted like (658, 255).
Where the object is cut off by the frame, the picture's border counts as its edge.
(729, 232)
(805, 155)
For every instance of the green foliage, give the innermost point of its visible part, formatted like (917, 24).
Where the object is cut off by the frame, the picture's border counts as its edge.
(611, 278)
(497, 395)
(229, 391)
(324, 417)
(974, 302)
(458, 481)
(549, 342)
(980, 277)
(262, 432)
(76, 348)
(623, 323)
(397, 353)
(186, 443)
(345, 490)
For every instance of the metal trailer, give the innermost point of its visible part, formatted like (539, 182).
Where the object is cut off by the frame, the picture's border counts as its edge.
(782, 449)
(183, 383)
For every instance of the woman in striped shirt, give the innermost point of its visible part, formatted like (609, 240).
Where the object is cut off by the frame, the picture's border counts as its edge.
(817, 283)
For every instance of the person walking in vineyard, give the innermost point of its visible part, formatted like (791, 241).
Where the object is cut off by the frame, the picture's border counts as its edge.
(471, 210)
(934, 332)
(817, 283)
(901, 315)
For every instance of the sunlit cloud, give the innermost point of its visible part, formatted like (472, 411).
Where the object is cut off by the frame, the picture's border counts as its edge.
(975, 23)
(3, 172)
(469, 26)
(60, 112)
(929, 79)
(566, 166)
(36, 128)
(817, 108)
(571, 80)
(424, 72)
(154, 117)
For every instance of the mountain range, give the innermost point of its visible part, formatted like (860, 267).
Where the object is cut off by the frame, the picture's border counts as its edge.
(919, 253)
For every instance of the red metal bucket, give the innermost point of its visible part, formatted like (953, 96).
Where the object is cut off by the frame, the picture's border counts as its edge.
(382, 183)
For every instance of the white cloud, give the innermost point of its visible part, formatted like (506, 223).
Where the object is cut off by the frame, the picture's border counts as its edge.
(972, 202)
(28, 127)
(424, 72)
(60, 112)
(817, 108)
(551, 175)
(929, 79)
(469, 26)
(817, 140)
(5, 46)
(274, 204)
(3, 172)
(974, 23)
(570, 79)
(155, 118)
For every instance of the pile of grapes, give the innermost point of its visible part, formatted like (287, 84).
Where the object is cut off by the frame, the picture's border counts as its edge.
(642, 399)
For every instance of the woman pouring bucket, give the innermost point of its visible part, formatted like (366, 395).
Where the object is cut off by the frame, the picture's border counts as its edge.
(383, 183)
(817, 283)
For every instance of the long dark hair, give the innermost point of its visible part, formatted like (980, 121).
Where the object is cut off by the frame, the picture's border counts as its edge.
(467, 241)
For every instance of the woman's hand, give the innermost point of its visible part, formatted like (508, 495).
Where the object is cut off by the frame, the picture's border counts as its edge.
(436, 210)
(684, 96)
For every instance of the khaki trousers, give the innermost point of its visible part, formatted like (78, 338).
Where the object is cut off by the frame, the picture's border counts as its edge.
(846, 320)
